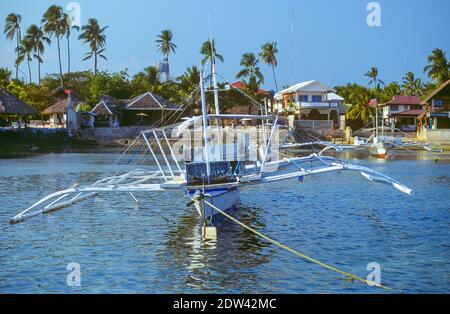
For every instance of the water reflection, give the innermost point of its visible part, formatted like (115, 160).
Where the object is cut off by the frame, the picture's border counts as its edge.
(221, 262)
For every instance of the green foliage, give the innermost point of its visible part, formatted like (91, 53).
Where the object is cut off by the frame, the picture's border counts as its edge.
(94, 35)
(165, 44)
(36, 96)
(438, 68)
(269, 55)
(147, 80)
(104, 83)
(5, 77)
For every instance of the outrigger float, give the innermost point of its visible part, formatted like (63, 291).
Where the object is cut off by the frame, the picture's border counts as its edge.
(211, 172)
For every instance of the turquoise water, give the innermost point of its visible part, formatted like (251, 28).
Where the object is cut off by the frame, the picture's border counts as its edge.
(341, 219)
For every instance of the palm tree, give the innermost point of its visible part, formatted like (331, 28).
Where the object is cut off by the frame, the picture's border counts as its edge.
(360, 110)
(392, 89)
(95, 36)
(55, 24)
(5, 74)
(209, 52)
(438, 67)
(250, 70)
(148, 80)
(24, 51)
(12, 29)
(411, 85)
(268, 55)
(36, 36)
(68, 32)
(190, 79)
(165, 44)
(374, 80)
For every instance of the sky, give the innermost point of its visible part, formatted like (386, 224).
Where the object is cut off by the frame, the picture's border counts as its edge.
(331, 39)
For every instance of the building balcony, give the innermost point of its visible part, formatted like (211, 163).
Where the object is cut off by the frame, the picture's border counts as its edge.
(315, 104)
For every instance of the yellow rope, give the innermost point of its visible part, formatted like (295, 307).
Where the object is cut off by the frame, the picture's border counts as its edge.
(283, 246)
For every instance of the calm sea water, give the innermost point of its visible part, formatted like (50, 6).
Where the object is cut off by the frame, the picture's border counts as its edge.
(341, 219)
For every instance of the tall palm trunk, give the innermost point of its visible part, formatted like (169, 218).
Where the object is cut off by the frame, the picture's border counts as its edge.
(68, 54)
(39, 68)
(95, 62)
(274, 77)
(17, 65)
(60, 66)
(29, 68)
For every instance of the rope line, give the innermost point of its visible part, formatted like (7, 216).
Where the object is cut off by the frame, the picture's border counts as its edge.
(304, 256)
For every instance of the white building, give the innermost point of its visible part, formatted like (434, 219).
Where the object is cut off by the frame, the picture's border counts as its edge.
(311, 101)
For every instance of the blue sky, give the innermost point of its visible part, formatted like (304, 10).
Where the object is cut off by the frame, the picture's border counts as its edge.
(332, 41)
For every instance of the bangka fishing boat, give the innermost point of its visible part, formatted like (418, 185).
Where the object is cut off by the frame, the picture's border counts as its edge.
(207, 161)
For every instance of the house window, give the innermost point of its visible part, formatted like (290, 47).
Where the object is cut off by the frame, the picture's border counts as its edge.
(316, 98)
(394, 107)
(303, 98)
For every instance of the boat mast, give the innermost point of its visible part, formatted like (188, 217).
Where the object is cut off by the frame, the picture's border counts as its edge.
(205, 125)
(213, 68)
(375, 140)
(215, 91)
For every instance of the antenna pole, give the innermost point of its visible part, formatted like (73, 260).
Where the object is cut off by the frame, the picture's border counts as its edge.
(292, 46)
(205, 125)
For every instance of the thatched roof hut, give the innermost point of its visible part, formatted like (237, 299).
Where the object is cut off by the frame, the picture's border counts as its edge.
(150, 101)
(11, 105)
(60, 106)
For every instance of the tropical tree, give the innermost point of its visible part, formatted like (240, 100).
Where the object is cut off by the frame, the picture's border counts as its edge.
(25, 51)
(253, 75)
(54, 23)
(12, 29)
(438, 67)
(94, 35)
(250, 69)
(374, 80)
(209, 52)
(165, 44)
(411, 85)
(69, 27)
(268, 55)
(189, 80)
(5, 77)
(147, 80)
(5, 74)
(390, 90)
(36, 36)
(360, 109)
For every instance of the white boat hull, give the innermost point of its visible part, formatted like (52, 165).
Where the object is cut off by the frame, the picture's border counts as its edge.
(378, 150)
(221, 198)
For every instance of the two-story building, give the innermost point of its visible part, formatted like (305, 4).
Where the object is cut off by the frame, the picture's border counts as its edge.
(311, 101)
(402, 112)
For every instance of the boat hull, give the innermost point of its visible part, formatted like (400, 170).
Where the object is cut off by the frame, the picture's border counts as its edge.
(223, 199)
(378, 150)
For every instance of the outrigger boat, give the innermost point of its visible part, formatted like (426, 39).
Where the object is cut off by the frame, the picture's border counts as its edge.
(205, 167)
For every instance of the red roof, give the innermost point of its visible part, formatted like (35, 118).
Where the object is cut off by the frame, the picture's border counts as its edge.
(404, 100)
(373, 102)
(415, 112)
(241, 85)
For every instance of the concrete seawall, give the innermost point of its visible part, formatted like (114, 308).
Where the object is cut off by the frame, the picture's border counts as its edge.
(439, 137)
(111, 136)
